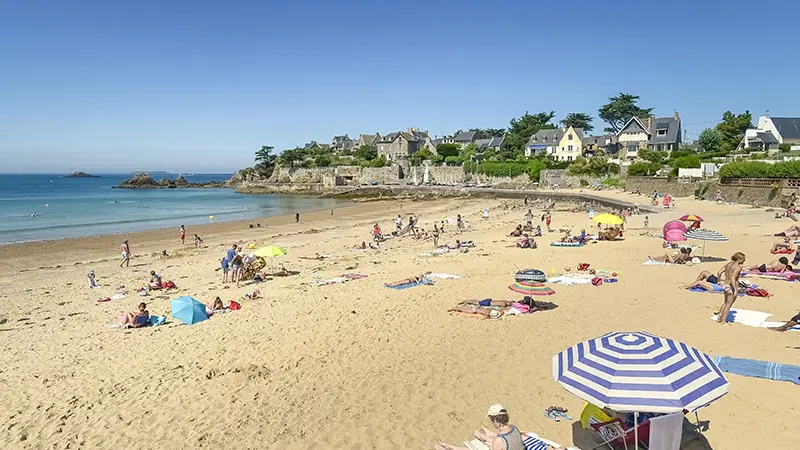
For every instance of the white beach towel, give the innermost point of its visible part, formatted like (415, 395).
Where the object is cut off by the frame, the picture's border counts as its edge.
(444, 276)
(572, 279)
(666, 432)
(746, 317)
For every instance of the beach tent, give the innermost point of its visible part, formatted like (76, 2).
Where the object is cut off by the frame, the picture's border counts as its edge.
(674, 230)
(675, 225)
(639, 372)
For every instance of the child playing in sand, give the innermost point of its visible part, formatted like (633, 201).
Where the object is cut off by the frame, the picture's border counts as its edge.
(197, 241)
(138, 319)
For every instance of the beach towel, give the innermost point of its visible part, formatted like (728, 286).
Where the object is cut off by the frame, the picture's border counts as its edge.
(786, 276)
(566, 244)
(717, 289)
(778, 324)
(426, 281)
(759, 369)
(666, 432)
(572, 279)
(531, 441)
(354, 276)
(444, 276)
(784, 251)
(651, 262)
(746, 317)
(157, 320)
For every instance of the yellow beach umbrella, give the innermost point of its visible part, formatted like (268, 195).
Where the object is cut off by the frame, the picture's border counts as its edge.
(269, 251)
(608, 219)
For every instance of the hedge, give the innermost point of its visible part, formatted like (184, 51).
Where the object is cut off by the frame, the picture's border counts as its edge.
(755, 169)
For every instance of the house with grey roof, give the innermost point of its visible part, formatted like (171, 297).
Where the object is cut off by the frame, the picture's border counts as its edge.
(770, 132)
(654, 133)
(465, 137)
(492, 143)
(314, 145)
(402, 144)
(608, 143)
(544, 142)
(339, 143)
(367, 139)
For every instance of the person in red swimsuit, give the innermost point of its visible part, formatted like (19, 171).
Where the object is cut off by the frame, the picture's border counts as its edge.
(183, 234)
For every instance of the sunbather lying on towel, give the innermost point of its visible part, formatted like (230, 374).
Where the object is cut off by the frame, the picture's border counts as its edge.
(611, 234)
(411, 280)
(526, 242)
(791, 323)
(517, 231)
(791, 232)
(138, 319)
(706, 280)
(784, 245)
(683, 257)
(779, 265)
(527, 302)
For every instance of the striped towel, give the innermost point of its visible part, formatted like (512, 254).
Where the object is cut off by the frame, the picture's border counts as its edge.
(532, 443)
(759, 369)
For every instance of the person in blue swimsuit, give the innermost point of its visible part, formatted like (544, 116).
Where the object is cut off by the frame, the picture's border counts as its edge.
(139, 319)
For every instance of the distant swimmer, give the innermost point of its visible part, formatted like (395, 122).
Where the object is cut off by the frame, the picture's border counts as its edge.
(33, 215)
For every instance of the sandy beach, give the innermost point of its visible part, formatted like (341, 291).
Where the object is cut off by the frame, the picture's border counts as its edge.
(358, 365)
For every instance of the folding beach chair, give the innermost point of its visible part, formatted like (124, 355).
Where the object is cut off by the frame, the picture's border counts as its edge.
(616, 434)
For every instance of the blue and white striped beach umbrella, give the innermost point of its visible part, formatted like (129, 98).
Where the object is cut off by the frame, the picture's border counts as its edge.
(639, 372)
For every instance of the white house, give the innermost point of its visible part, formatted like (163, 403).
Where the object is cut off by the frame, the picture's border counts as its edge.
(770, 132)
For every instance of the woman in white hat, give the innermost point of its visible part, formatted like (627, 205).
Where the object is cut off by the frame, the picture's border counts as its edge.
(507, 436)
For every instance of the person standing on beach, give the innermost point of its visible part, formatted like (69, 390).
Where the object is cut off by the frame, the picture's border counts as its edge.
(435, 236)
(730, 285)
(183, 234)
(126, 254)
(398, 223)
(297, 217)
(225, 263)
(459, 223)
(547, 218)
(529, 220)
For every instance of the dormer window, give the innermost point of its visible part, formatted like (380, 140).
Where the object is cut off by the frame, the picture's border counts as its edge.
(569, 137)
(661, 132)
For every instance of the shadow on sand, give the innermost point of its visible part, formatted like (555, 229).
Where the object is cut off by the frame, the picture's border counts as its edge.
(589, 440)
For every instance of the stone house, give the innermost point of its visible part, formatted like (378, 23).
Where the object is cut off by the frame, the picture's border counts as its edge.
(367, 139)
(339, 143)
(608, 143)
(402, 144)
(314, 145)
(493, 143)
(465, 138)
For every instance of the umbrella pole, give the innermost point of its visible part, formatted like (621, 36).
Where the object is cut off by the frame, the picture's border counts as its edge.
(636, 429)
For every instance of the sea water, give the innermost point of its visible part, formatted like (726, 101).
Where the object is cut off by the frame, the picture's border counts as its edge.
(42, 207)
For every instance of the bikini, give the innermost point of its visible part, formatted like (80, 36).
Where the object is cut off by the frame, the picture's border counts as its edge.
(142, 320)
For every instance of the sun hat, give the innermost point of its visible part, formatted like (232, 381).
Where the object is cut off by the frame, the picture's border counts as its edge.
(496, 410)
(745, 283)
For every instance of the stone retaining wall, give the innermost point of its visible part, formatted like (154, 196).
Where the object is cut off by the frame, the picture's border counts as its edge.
(751, 195)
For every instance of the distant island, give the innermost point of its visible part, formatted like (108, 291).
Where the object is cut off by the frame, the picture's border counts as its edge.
(145, 181)
(80, 175)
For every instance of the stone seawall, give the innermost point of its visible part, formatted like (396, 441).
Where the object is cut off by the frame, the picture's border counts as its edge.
(751, 195)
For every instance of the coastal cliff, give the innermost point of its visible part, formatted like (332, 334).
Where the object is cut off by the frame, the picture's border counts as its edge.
(145, 181)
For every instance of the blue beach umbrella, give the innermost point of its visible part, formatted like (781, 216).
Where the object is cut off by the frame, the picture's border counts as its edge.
(639, 372)
(188, 310)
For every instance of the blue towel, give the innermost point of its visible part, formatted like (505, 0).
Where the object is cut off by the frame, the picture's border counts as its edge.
(718, 289)
(759, 369)
(157, 320)
(410, 285)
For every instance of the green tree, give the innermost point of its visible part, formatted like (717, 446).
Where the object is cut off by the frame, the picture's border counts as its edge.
(445, 150)
(265, 161)
(453, 160)
(732, 128)
(710, 140)
(367, 152)
(684, 162)
(597, 166)
(520, 131)
(422, 155)
(785, 147)
(653, 156)
(578, 120)
(322, 160)
(290, 157)
(619, 110)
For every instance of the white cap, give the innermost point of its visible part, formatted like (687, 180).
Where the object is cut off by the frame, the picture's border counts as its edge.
(496, 410)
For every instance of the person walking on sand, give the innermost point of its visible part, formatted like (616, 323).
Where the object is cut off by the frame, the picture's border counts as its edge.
(126, 254)
(183, 234)
(398, 223)
(459, 223)
(297, 217)
(730, 285)
(547, 218)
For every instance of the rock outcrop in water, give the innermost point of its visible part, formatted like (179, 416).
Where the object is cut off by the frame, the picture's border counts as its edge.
(80, 174)
(145, 181)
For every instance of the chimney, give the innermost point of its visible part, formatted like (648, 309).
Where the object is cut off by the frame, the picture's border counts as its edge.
(410, 130)
(649, 122)
(677, 117)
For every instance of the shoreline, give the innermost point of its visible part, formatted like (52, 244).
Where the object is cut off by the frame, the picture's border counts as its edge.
(141, 240)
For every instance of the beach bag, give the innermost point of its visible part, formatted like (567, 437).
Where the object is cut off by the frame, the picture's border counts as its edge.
(583, 266)
(169, 285)
(234, 306)
(597, 281)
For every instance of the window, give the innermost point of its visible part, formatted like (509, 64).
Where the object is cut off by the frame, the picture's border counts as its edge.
(569, 136)
(632, 148)
(661, 132)
(569, 148)
(569, 158)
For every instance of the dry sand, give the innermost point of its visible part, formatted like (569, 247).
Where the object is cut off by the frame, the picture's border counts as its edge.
(358, 365)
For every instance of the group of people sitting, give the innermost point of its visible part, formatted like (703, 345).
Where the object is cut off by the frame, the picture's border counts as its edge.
(568, 237)
(519, 230)
(610, 234)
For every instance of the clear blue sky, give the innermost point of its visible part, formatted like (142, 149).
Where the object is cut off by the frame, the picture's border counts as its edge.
(200, 85)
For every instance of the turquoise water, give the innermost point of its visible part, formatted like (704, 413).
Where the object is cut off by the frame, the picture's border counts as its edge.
(74, 207)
